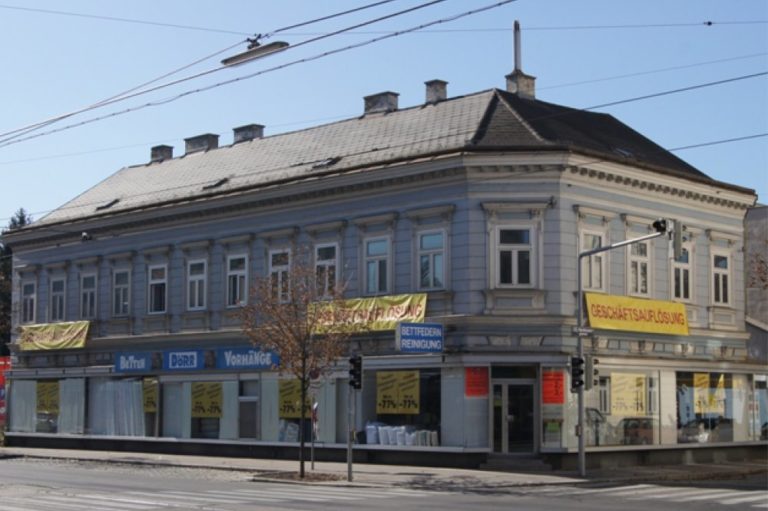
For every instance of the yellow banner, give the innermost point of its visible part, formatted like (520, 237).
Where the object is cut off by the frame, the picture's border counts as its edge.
(397, 392)
(373, 314)
(706, 400)
(151, 394)
(206, 400)
(610, 312)
(48, 397)
(628, 394)
(289, 399)
(54, 336)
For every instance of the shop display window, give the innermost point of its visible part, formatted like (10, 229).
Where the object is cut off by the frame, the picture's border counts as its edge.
(407, 409)
(706, 407)
(623, 409)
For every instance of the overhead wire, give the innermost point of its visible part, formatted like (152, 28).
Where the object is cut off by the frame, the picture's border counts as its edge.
(19, 132)
(14, 140)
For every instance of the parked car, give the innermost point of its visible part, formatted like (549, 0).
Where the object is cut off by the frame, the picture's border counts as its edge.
(707, 429)
(635, 430)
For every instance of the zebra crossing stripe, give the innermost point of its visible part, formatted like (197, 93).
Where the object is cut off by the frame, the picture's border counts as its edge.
(744, 499)
(708, 494)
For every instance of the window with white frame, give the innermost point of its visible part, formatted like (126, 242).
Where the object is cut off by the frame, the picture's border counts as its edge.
(377, 263)
(121, 293)
(431, 259)
(279, 270)
(88, 296)
(28, 301)
(682, 272)
(593, 267)
(196, 284)
(326, 266)
(158, 289)
(515, 249)
(721, 278)
(639, 263)
(58, 291)
(237, 280)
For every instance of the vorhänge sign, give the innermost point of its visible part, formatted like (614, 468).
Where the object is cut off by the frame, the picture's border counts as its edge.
(611, 312)
(419, 337)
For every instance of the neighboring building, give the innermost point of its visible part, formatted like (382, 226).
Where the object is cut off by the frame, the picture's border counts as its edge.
(477, 204)
(756, 256)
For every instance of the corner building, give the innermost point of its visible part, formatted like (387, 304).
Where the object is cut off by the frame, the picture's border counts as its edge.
(476, 207)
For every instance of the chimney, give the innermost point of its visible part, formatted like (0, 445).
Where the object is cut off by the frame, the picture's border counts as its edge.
(518, 82)
(381, 102)
(437, 90)
(247, 132)
(160, 153)
(201, 143)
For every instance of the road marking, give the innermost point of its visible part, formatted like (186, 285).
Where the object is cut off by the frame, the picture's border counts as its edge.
(707, 494)
(746, 498)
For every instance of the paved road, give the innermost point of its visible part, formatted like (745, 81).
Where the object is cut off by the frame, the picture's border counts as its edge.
(41, 485)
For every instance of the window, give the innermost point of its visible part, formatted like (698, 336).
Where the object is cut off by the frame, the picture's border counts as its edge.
(157, 289)
(376, 265)
(56, 311)
(237, 280)
(431, 260)
(515, 263)
(681, 276)
(326, 263)
(593, 267)
(279, 267)
(28, 297)
(721, 279)
(88, 296)
(196, 278)
(121, 293)
(638, 269)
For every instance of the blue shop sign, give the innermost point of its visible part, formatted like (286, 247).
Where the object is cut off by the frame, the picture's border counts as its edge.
(133, 362)
(187, 360)
(419, 337)
(246, 358)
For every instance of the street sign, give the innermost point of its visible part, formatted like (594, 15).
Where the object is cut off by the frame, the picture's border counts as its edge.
(582, 331)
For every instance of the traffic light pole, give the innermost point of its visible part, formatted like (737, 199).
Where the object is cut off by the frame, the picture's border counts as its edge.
(581, 333)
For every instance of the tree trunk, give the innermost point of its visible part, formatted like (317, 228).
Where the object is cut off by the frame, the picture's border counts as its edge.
(303, 382)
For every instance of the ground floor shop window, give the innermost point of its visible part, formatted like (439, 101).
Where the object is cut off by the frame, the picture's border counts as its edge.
(116, 407)
(709, 406)
(207, 399)
(407, 411)
(289, 411)
(248, 414)
(623, 409)
(760, 409)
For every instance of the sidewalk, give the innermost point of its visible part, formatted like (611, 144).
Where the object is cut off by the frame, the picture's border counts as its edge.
(445, 479)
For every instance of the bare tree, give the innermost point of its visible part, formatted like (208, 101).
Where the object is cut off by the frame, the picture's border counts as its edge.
(297, 313)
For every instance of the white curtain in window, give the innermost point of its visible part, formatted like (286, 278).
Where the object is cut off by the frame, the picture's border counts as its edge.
(23, 402)
(116, 407)
(72, 407)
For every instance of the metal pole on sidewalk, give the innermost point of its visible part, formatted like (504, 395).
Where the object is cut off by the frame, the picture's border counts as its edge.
(351, 428)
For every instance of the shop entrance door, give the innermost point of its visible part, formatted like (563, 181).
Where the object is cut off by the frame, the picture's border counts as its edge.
(513, 418)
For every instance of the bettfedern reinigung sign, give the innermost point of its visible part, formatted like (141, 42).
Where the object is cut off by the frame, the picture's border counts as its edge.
(419, 337)
(610, 312)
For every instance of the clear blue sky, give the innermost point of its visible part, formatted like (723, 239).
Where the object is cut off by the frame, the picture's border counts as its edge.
(53, 64)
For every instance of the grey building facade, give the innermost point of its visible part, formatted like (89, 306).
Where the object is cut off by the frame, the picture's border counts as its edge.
(478, 205)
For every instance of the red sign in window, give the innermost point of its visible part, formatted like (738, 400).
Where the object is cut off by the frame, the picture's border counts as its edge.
(476, 381)
(553, 387)
(5, 364)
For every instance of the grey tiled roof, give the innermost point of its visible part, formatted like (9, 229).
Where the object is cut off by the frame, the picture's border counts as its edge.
(489, 120)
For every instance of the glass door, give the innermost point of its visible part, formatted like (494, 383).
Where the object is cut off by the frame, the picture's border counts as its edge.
(513, 418)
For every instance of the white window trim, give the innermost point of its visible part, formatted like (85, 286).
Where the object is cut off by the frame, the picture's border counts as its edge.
(389, 265)
(335, 264)
(22, 319)
(682, 266)
(714, 271)
(128, 297)
(282, 271)
(587, 260)
(151, 282)
(95, 293)
(648, 260)
(51, 297)
(238, 273)
(195, 281)
(535, 259)
(419, 252)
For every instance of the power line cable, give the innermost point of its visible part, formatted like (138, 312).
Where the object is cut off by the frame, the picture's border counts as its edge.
(18, 135)
(14, 140)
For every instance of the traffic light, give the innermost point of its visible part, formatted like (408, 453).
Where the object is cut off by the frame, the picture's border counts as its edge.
(356, 372)
(577, 373)
(591, 373)
(660, 225)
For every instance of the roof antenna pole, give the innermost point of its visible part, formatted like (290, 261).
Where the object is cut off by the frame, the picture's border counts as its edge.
(518, 57)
